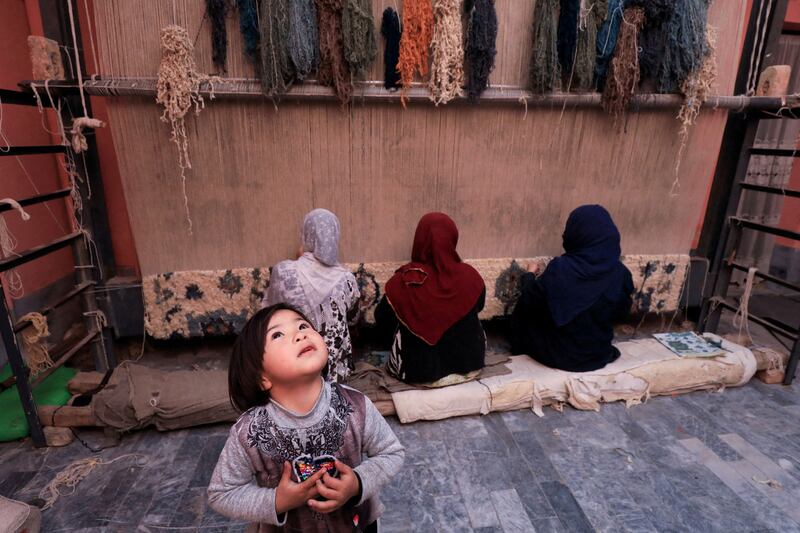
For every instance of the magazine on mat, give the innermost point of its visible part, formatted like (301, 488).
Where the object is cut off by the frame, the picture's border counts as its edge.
(689, 344)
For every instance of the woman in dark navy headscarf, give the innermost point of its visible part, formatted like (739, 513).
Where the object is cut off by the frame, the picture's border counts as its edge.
(564, 319)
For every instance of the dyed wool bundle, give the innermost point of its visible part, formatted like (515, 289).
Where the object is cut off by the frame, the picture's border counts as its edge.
(447, 51)
(248, 26)
(303, 37)
(686, 46)
(567, 35)
(390, 29)
(481, 46)
(333, 68)
(217, 11)
(653, 39)
(415, 41)
(593, 13)
(358, 35)
(277, 70)
(607, 41)
(545, 75)
(623, 77)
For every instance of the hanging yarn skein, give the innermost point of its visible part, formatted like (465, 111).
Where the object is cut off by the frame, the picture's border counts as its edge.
(592, 15)
(217, 11)
(277, 70)
(545, 71)
(653, 38)
(248, 26)
(623, 74)
(358, 36)
(447, 52)
(567, 34)
(303, 37)
(178, 90)
(390, 29)
(686, 46)
(35, 352)
(333, 69)
(12, 280)
(481, 46)
(414, 42)
(607, 41)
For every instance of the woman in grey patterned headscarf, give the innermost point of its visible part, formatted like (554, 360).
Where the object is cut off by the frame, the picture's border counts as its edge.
(320, 287)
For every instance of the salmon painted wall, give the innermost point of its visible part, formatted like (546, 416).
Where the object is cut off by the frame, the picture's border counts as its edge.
(790, 214)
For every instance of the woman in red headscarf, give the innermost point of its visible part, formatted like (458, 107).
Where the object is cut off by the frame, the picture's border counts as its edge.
(430, 309)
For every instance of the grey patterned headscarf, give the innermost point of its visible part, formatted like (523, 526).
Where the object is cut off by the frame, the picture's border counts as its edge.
(321, 236)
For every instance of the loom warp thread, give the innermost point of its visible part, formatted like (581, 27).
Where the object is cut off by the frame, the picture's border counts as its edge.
(481, 46)
(390, 29)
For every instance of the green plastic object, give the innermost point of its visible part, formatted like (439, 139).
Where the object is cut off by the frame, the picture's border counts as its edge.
(51, 391)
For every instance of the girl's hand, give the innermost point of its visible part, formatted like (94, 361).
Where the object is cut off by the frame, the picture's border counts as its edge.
(290, 495)
(337, 491)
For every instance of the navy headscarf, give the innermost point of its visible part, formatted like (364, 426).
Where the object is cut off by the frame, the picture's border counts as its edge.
(589, 269)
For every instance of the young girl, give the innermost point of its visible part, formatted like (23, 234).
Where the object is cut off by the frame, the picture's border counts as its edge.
(292, 420)
(320, 287)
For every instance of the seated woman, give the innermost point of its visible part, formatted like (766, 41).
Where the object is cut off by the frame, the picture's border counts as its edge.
(317, 285)
(430, 309)
(564, 319)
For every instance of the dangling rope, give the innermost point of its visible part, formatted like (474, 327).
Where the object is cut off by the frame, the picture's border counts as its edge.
(177, 90)
(217, 12)
(333, 68)
(414, 42)
(358, 36)
(8, 244)
(567, 35)
(73, 474)
(607, 41)
(481, 46)
(277, 71)
(248, 27)
(303, 37)
(390, 29)
(624, 72)
(593, 13)
(545, 75)
(742, 317)
(447, 52)
(686, 44)
(35, 352)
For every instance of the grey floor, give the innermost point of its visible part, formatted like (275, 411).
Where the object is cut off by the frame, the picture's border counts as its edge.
(703, 462)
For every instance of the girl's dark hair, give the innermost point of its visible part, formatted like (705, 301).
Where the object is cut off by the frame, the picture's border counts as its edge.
(246, 365)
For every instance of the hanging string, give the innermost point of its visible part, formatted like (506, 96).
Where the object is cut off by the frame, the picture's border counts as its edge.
(414, 42)
(277, 70)
(742, 317)
(686, 44)
(333, 69)
(545, 71)
(358, 36)
(35, 352)
(248, 27)
(592, 14)
(8, 245)
(217, 12)
(447, 52)
(96, 71)
(303, 37)
(481, 46)
(623, 75)
(390, 29)
(607, 41)
(78, 68)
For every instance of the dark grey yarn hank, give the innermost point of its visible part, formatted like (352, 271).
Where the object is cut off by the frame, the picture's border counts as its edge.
(653, 39)
(390, 29)
(248, 26)
(303, 37)
(358, 35)
(217, 11)
(545, 71)
(686, 47)
(567, 35)
(277, 70)
(481, 45)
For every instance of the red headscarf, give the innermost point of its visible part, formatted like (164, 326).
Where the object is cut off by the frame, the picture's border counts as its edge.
(435, 290)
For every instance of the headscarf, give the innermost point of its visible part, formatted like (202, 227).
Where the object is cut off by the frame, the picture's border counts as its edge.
(589, 269)
(435, 290)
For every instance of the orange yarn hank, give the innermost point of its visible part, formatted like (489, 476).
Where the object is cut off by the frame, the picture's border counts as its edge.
(414, 42)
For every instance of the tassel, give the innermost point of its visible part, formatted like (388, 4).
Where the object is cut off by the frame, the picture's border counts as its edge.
(447, 51)
(333, 69)
(277, 71)
(414, 41)
(358, 36)
(545, 75)
(248, 26)
(592, 14)
(303, 37)
(686, 46)
(217, 11)
(567, 35)
(607, 41)
(481, 46)
(653, 39)
(623, 75)
(390, 29)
